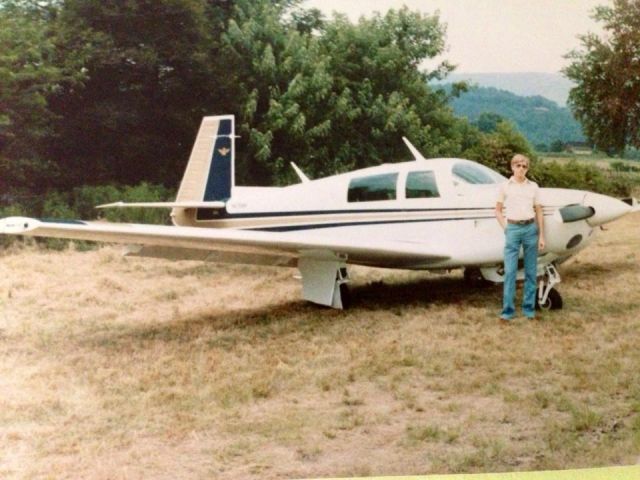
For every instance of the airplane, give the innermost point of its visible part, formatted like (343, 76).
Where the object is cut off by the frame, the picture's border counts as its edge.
(425, 214)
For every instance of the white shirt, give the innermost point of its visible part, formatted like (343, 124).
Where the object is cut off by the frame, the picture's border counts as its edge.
(519, 198)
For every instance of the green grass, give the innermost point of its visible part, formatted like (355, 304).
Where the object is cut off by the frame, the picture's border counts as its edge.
(113, 368)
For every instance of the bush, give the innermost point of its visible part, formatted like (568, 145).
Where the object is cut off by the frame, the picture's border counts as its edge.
(496, 149)
(80, 203)
(581, 177)
(57, 206)
(620, 166)
(145, 192)
(84, 200)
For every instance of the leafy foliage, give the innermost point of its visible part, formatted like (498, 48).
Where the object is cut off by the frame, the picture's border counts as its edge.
(81, 202)
(147, 69)
(497, 148)
(540, 120)
(108, 94)
(332, 101)
(28, 76)
(580, 176)
(607, 74)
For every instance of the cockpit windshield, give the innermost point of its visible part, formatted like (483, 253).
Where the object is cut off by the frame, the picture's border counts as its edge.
(475, 174)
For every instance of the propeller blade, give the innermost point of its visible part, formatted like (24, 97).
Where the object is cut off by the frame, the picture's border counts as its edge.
(576, 212)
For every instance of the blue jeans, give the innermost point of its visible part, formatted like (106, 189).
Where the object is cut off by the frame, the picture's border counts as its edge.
(515, 237)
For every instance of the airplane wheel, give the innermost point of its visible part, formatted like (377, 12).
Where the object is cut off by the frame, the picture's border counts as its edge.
(473, 277)
(345, 296)
(554, 301)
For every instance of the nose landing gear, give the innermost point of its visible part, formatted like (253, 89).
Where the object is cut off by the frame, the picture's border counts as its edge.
(548, 298)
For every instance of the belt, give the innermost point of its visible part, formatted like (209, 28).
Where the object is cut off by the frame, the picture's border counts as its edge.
(521, 222)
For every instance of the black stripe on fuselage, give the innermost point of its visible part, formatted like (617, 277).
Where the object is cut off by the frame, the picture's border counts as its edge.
(204, 214)
(314, 226)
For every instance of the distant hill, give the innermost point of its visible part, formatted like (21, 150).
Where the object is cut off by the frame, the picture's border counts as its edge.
(539, 119)
(553, 86)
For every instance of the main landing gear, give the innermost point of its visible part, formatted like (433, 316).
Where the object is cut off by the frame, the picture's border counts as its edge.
(547, 297)
(324, 280)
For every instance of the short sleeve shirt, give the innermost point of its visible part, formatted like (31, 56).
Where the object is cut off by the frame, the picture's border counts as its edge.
(519, 198)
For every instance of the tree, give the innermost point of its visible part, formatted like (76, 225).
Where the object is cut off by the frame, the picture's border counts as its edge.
(488, 122)
(152, 70)
(557, 146)
(332, 95)
(28, 75)
(114, 91)
(496, 149)
(607, 76)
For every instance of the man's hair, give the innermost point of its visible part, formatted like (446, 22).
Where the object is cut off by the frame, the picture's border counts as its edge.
(518, 157)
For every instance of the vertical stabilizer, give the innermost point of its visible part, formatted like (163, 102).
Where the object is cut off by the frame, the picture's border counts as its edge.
(209, 175)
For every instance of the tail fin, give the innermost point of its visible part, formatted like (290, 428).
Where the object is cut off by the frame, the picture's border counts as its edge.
(209, 175)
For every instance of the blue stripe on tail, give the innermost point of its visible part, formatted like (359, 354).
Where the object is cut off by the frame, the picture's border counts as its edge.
(219, 181)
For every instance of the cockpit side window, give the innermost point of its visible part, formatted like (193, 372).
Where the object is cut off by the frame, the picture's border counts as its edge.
(373, 188)
(421, 185)
(476, 174)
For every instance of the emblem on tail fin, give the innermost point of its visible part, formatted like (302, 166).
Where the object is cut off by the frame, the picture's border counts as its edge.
(209, 175)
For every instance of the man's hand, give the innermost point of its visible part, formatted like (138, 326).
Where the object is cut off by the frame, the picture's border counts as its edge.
(541, 243)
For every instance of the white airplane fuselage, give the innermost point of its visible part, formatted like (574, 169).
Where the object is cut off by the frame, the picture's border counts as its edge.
(424, 214)
(461, 217)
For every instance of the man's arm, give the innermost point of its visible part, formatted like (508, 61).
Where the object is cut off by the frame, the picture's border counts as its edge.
(500, 208)
(500, 215)
(540, 222)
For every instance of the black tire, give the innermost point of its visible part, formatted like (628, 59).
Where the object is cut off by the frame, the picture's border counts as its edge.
(345, 296)
(473, 278)
(554, 301)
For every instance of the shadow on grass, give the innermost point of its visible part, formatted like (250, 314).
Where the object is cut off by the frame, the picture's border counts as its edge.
(439, 290)
(298, 317)
(596, 271)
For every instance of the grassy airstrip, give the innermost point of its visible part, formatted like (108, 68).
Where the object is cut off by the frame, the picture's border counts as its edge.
(114, 368)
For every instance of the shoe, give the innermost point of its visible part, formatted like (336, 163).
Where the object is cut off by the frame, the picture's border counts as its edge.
(505, 321)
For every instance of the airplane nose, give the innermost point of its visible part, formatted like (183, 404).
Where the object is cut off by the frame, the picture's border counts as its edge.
(606, 208)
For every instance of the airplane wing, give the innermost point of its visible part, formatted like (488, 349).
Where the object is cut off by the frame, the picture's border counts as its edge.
(247, 246)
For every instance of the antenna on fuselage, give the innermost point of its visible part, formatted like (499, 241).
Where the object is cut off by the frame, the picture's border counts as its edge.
(303, 178)
(416, 154)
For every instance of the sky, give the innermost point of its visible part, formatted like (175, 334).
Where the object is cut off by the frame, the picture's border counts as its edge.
(495, 36)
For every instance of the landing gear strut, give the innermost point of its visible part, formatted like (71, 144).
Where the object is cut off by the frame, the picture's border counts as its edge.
(324, 281)
(548, 298)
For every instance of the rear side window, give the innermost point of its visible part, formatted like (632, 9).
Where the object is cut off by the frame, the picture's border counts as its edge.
(373, 188)
(421, 185)
(476, 174)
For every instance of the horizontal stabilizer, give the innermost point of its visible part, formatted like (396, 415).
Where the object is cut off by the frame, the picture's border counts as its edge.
(215, 205)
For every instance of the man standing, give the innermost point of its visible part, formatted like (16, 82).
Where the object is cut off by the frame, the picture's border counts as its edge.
(523, 226)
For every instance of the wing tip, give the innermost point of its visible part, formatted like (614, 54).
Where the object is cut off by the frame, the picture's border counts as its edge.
(17, 225)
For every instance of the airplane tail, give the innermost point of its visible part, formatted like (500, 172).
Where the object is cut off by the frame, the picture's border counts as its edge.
(210, 176)
(208, 180)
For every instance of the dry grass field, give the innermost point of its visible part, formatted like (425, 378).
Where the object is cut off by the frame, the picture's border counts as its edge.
(114, 368)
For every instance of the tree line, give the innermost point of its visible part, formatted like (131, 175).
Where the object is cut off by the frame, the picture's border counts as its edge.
(104, 92)
(540, 120)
